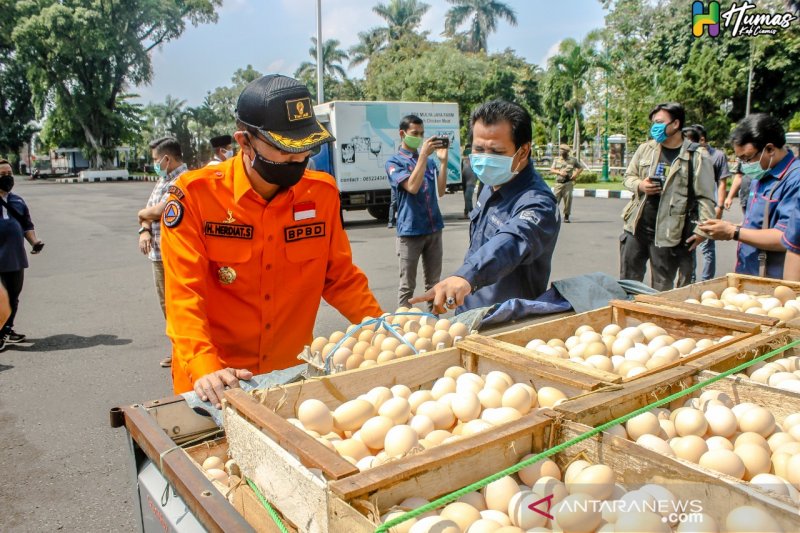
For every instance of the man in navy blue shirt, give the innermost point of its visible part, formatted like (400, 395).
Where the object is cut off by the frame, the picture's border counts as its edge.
(15, 227)
(515, 224)
(417, 182)
(759, 142)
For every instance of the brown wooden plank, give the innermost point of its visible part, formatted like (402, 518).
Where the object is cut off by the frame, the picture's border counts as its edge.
(781, 403)
(743, 350)
(733, 325)
(561, 328)
(705, 309)
(561, 370)
(433, 458)
(199, 494)
(310, 451)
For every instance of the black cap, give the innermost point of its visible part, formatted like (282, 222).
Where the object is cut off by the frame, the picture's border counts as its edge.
(280, 109)
(221, 141)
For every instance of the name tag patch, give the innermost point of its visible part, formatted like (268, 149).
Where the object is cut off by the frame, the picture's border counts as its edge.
(231, 231)
(176, 192)
(305, 231)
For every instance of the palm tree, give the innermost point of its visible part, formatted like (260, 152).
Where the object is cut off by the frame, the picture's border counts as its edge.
(403, 17)
(369, 43)
(483, 16)
(574, 63)
(332, 57)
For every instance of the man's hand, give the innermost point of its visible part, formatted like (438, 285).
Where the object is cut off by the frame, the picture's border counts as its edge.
(441, 153)
(694, 241)
(450, 291)
(211, 387)
(649, 187)
(719, 230)
(145, 242)
(728, 203)
(37, 247)
(429, 145)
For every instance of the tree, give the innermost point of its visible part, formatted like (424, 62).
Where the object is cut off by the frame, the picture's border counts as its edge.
(402, 16)
(332, 57)
(82, 55)
(370, 42)
(483, 16)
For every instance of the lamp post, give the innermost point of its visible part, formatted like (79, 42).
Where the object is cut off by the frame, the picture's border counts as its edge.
(320, 73)
(559, 126)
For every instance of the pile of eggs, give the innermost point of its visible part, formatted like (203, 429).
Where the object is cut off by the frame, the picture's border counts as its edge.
(782, 304)
(783, 373)
(582, 502)
(217, 469)
(741, 440)
(368, 346)
(389, 423)
(627, 352)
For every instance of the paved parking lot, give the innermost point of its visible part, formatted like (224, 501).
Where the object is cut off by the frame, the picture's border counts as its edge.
(96, 336)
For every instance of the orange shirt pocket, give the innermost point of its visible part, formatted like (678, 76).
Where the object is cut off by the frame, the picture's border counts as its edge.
(229, 262)
(308, 260)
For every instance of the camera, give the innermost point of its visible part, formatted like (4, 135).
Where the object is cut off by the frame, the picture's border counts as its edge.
(444, 140)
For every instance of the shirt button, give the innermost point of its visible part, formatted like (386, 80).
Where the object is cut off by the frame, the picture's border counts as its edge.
(266, 297)
(268, 267)
(269, 239)
(267, 327)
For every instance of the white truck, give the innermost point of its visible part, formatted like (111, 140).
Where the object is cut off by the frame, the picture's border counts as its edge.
(366, 136)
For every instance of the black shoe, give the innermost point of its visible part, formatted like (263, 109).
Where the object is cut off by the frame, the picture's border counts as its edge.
(566, 219)
(13, 337)
(2, 343)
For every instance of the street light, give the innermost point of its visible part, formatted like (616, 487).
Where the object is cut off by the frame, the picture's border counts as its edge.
(559, 126)
(726, 106)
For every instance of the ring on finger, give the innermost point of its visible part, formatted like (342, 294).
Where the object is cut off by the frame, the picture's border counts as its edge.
(450, 302)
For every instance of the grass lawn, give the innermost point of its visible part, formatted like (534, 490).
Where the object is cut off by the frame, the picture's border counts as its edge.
(611, 185)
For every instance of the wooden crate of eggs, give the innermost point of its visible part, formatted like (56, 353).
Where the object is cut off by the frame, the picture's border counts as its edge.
(448, 416)
(375, 341)
(603, 484)
(624, 341)
(765, 301)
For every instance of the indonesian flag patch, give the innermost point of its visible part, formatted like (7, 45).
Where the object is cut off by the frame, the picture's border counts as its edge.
(304, 211)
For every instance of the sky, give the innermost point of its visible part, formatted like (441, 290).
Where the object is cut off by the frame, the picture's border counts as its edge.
(274, 36)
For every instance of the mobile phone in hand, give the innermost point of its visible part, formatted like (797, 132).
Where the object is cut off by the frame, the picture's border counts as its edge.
(444, 141)
(37, 247)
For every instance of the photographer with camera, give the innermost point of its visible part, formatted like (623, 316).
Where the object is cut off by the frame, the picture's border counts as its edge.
(673, 189)
(416, 181)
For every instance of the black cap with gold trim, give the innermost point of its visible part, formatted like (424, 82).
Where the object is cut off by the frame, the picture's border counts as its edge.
(280, 109)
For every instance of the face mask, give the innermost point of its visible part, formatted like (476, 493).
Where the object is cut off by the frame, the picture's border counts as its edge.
(281, 174)
(753, 170)
(228, 154)
(493, 170)
(6, 183)
(412, 142)
(658, 132)
(160, 171)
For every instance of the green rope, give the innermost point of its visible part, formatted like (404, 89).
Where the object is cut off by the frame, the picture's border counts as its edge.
(383, 528)
(267, 506)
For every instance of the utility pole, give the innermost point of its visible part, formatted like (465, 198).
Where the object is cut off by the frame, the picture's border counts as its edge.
(320, 89)
(750, 76)
(604, 176)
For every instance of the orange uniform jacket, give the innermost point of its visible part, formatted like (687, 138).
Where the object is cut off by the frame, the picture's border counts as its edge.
(244, 276)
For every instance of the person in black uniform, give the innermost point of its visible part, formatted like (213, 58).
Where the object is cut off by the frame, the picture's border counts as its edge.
(16, 226)
(222, 145)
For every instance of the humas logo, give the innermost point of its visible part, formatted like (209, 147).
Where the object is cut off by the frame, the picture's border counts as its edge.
(703, 18)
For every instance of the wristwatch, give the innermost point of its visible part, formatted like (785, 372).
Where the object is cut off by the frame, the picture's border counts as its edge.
(143, 229)
(736, 233)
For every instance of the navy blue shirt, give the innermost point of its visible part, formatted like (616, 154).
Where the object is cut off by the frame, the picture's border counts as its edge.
(779, 187)
(512, 237)
(12, 234)
(417, 214)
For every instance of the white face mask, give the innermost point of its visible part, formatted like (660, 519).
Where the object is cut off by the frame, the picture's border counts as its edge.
(228, 154)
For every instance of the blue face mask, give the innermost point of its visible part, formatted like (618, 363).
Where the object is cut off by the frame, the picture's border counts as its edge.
(753, 170)
(157, 167)
(658, 132)
(493, 170)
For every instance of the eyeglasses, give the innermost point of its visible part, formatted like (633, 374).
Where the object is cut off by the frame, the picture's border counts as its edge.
(750, 159)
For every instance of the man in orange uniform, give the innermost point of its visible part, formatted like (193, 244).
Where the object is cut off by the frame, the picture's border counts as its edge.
(250, 246)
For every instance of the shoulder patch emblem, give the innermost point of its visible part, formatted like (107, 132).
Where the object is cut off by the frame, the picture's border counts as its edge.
(173, 214)
(176, 192)
(530, 215)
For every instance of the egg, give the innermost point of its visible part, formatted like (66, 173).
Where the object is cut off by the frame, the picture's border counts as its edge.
(645, 423)
(372, 353)
(600, 362)
(595, 348)
(466, 406)
(756, 459)
(549, 396)
(691, 422)
(520, 513)
(400, 440)
(435, 524)
(458, 330)
(463, 514)
(633, 333)
(758, 420)
(340, 356)
(351, 415)
(443, 386)
(352, 448)
(214, 463)
(719, 443)
(484, 526)
(423, 344)
(441, 337)
(531, 473)
(378, 395)
(500, 415)
(366, 335)
(422, 424)
(398, 410)
(784, 314)
(498, 494)
(426, 332)
(400, 391)
(595, 480)
(573, 513)
(386, 356)
(723, 461)
(517, 397)
(316, 416)
(218, 475)
(749, 518)
(584, 328)
(373, 432)
(499, 517)
(771, 483)
(793, 471)
(419, 397)
(656, 444)
(490, 398)
(440, 414)
(475, 426)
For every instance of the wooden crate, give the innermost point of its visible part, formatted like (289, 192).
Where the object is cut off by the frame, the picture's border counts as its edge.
(676, 323)
(675, 298)
(633, 465)
(242, 497)
(304, 479)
